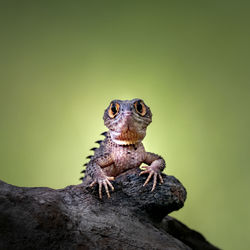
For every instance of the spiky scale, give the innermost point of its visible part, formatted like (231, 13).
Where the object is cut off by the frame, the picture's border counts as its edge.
(104, 133)
(81, 178)
(85, 164)
(99, 141)
(93, 148)
(89, 156)
(83, 171)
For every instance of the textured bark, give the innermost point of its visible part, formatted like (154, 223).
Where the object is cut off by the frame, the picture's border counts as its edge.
(75, 218)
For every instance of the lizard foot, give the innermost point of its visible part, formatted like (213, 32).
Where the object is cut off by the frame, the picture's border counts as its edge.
(104, 181)
(152, 172)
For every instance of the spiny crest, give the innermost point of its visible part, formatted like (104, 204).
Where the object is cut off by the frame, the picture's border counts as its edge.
(90, 156)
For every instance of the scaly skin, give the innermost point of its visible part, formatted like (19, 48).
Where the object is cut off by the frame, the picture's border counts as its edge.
(122, 148)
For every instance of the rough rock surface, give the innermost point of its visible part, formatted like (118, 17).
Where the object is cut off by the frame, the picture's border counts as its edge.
(75, 218)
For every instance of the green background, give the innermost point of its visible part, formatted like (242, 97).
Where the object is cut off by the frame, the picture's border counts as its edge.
(62, 62)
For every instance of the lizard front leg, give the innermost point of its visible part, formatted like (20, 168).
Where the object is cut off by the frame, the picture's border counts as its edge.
(156, 165)
(94, 169)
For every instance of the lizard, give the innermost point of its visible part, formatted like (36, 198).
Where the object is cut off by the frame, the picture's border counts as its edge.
(122, 148)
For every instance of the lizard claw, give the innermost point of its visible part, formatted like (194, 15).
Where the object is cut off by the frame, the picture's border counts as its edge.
(152, 173)
(105, 181)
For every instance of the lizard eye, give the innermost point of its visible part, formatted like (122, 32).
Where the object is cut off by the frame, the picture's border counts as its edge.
(140, 108)
(113, 109)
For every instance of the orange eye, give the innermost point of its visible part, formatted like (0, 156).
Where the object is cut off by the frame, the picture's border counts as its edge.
(113, 109)
(140, 108)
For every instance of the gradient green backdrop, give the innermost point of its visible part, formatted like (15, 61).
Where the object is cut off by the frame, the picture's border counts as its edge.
(63, 61)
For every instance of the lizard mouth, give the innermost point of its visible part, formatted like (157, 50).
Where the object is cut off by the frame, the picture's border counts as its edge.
(127, 137)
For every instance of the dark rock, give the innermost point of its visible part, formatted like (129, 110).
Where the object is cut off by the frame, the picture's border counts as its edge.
(75, 217)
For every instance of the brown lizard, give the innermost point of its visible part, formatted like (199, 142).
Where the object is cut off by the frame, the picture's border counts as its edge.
(122, 148)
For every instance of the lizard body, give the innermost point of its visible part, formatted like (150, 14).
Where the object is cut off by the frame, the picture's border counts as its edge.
(122, 148)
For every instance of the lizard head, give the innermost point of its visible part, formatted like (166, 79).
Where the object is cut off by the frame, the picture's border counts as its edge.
(127, 121)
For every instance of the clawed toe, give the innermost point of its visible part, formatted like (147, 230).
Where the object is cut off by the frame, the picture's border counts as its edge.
(151, 173)
(106, 183)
